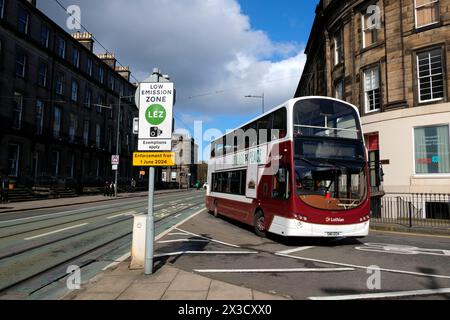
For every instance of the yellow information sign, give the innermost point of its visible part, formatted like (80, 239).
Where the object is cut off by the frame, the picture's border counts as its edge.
(153, 159)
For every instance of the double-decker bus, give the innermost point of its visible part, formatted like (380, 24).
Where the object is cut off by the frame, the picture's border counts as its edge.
(299, 170)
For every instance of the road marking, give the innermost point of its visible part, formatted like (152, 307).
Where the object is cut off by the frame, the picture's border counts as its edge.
(87, 210)
(177, 234)
(182, 240)
(363, 267)
(212, 240)
(178, 253)
(273, 270)
(412, 234)
(118, 261)
(385, 295)
(178, 224)
(56, 231)
(295, 250)
(402, 249)
(122, 214)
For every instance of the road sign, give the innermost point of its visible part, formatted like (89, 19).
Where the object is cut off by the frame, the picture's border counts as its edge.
(155, 116)
(153, 159)
(115, 167)
(115, 159)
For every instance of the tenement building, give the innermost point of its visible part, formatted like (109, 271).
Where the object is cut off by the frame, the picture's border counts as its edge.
(390, 58)
(62, 107)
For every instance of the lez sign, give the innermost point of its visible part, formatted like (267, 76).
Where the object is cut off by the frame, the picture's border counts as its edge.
(155, 116)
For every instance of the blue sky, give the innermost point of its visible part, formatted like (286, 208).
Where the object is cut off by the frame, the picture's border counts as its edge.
(216, 51)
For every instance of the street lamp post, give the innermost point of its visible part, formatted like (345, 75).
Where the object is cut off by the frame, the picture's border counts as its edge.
(117, 134)
(259, 97)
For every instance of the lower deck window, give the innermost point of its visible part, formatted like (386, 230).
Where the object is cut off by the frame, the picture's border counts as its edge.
(231, 182)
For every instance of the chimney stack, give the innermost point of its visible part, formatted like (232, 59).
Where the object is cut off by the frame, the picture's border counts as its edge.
(85, 38)
(124, 72)
(109, 59)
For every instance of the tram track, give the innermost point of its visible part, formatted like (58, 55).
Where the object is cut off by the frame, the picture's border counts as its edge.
(59, 246)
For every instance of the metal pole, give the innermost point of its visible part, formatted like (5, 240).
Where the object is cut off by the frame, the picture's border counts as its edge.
(117, 146)
(263, 102)
(150, 225)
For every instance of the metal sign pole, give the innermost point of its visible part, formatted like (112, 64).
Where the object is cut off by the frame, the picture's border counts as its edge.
(150, 225)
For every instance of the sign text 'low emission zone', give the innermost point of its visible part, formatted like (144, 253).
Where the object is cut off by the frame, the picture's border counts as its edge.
(155, 116)
(153, 159)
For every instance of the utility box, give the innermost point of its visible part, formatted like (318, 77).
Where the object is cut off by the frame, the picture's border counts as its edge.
(138, 245)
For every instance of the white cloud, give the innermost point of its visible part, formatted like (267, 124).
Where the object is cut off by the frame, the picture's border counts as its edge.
(208, 47)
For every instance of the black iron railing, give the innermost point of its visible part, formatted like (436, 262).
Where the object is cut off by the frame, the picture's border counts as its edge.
(412, 210)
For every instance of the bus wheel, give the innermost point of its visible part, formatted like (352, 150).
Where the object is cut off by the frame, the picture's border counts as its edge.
(260, 224)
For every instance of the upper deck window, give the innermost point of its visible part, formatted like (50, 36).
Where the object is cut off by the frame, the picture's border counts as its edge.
(326, 118)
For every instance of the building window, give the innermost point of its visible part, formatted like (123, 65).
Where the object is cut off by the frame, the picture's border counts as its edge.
(54, 163)
(369, 30)
(61, 48)
(89, 66)
(339, 90)
(426, 12)
(372, 90)
(100, 105)
(86, 132)
(76, 57)
(59, 83)
(101, 74)
(432, 150)
(98, 133)
(111, 82)
(88, 98)
(45, 36)
(2, 8)
(338, 49)
(21, 63)
(74, 95)
(13, 159)
(17, 111)
(430, 75)
(73, 125)
(42, 76)
(23, 20)
(56, 122)
(39, 117)
(71, 167)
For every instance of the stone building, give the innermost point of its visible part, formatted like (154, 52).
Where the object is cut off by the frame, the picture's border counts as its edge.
(59, 105)
(184, 174)
(390, 58)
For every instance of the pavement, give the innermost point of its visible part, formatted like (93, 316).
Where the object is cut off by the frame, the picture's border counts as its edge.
(62, 202)
(166, 283)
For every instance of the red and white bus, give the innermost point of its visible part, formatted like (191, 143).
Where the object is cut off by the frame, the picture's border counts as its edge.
(299, 170)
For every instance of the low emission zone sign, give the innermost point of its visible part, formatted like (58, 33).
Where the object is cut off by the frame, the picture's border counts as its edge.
(155, 116)
(153, 159)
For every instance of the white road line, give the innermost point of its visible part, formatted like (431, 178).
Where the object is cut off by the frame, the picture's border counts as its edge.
(122, 214)
(56, 231)
(364, 267)
(177, 234)
(117, 261)
(382, 295)
(212, 240)
(182, 240)
(202, 252)
(294, 250)
(178, 224)
(87, 210)
(273, 270)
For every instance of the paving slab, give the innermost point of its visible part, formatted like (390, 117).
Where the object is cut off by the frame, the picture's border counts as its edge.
(144, 291)
(223, 291)
(112, 284)
(189, 282)
(185, 295)
(96, 296)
